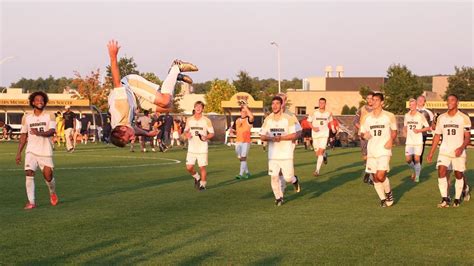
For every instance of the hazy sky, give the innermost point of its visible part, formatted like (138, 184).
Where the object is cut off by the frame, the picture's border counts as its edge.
(54, 38)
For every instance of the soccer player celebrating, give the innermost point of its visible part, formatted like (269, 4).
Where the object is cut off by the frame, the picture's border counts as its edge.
(319, 121)
(198, 131)
(414, 126)
(242, 127)
(37, 130)
(122, 102)
(360, 116)
(455, 128)
(279, 130)
(380, 129)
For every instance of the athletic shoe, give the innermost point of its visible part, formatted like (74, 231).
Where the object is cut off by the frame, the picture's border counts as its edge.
(383, 203)
(246, 176)
(153, 150)
(315, 173)
(202, 188)
(53, 198)
(144, 150)
(196, 183)
(366, 177)
(29, 206)
(239, 177)
(444, 203)
(456, 203)
(325, 159)
(279, 202)
(184, 78)
(185, 66)
(297, 185)
(389, 199)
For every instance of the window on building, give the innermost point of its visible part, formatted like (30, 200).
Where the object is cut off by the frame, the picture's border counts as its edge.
(300, 110)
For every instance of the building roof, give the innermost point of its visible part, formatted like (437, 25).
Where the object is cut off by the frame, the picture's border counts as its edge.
(353, 83)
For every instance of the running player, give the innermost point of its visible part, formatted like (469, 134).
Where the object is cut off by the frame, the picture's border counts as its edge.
(122, 102)
(414, 125)
(198, 131)
(380, 129)
(279, 130)
(455, 128)
(37, 130)
(319, 121)
(360, 116)
(241, 129)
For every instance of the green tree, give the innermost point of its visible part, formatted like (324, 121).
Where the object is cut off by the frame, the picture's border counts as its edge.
(401, 85)
(202, 88)
(50, 84)
(221, 90)
(353, 110)
(363, 92)
(345, 110)
(91, 88)
(462, 84)
(244, 83)
(126, 65)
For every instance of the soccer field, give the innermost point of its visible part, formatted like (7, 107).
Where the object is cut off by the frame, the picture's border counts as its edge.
(118, 207)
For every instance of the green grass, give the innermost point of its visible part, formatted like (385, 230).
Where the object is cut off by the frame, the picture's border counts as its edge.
(150, 214)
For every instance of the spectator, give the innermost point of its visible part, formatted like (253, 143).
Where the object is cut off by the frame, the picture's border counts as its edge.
(176, 133)
(307, 128)
(85, 128)
(69, 127)
(146, 124)
(7, 130)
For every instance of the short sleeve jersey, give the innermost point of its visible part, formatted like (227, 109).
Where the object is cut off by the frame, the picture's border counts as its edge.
(320, 120)
(412, 122)
(283, 126)
(37, 145)
(198, 127)
(122, 105)
(452, 129)
(380, 129)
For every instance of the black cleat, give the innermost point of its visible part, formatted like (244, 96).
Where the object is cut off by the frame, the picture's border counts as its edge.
(456, 203)
(444, 203)
(184, 78)
(383, 203)
(279, 202)
(202, 188)
(196, 183)
(389, 199)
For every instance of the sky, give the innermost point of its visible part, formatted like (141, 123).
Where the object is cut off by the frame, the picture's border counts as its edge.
(40, 38)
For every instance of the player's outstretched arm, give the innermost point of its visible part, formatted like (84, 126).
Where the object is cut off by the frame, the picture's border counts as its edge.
(21, 145)
(114, 48)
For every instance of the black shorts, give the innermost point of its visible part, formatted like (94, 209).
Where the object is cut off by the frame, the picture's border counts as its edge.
(84, 132)
(307, 133)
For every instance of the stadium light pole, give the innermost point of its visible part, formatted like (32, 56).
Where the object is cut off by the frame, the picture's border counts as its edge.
(279, 68)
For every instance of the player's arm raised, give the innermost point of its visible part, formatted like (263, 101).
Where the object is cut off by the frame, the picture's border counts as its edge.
(249, 113)
(114, 48)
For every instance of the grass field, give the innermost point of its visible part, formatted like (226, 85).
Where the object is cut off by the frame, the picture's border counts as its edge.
(118, 207)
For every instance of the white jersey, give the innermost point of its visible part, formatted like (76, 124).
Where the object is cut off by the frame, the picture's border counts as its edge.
(320, 120)
(412, 122)
(452, 129)
(122, 105)
(283, 126)
(380, 129)
(201, 126)
(37, 145)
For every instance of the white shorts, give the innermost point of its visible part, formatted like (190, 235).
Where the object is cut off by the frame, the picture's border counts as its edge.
(33, 161)
(375, 164)
(175, 135)
(455, 163)
(201, 159)
(242, 149)
(320, 143)
(413, 150)
(285, 166)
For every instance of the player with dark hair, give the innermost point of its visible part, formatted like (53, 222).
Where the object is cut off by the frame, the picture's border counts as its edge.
(37, 130)
(320, 120)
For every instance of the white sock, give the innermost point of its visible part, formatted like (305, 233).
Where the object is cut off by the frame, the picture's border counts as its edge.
(196, 176)
(319, 163)
(459, 185)
(51, 185)
(276, 187)
(246, 167)
(417, 169)
(379, 189)
(30, 189)
(386, 185)
(242, 167)
(203, 183)
(443, 186)
(170, 81)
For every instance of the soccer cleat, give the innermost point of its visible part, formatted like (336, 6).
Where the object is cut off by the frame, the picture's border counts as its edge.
(184, 78)
(239, 177)
(246, 176)
(185, 66)
(279, 202)
(383, 203)
(315, 173)
(297, 185)
(53, 198)
(444, 203)
(366, 177)
(389, 199)
(456, 203)
(29, 206)
(202, 188)
(196, 183)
